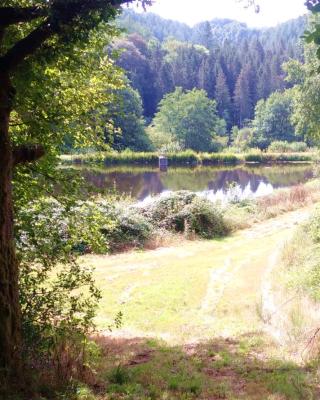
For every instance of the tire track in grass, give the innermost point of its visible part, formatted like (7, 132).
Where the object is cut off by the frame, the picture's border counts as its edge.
(202, 288)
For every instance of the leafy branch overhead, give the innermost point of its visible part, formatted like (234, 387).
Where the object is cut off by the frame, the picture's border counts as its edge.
(54, 71)
(53, 18)
(314, 36)
(55, 78)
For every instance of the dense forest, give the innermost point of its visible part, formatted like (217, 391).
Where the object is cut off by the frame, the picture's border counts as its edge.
(234, 64)
(236, 75)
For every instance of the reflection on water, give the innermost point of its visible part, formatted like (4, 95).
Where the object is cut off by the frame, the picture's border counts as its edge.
(214, 182)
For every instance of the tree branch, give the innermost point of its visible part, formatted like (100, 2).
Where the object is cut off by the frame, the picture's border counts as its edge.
(27, 153)
(14, 15)
(25, 47)
(61, 15)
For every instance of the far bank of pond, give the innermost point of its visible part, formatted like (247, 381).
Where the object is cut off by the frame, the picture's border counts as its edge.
(186, 158)
(215, 182)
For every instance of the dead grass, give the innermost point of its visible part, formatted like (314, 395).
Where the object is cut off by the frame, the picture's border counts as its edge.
(296, 296)
(282, 201)
(164, 238)
(287, 200)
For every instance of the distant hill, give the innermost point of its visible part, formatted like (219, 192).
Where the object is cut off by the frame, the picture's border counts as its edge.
(151, 25)
(235, 64)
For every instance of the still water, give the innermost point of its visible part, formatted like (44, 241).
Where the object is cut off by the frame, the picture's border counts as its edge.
(213, 182)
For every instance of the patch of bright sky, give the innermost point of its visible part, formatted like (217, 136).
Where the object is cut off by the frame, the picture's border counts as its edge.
(272, 12)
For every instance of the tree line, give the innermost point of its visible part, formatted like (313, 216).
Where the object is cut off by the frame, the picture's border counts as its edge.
(235, 65)
(217, 84)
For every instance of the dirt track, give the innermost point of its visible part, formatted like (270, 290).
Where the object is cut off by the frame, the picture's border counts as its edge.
(196, 291)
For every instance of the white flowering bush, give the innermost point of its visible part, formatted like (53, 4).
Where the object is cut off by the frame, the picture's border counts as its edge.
(184, 211)
(58, 295)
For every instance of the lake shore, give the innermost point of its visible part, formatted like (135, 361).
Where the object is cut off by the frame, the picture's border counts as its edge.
(187, 157)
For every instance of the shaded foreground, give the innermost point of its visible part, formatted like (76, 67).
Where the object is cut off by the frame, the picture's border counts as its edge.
(192, 321)
(212, 370)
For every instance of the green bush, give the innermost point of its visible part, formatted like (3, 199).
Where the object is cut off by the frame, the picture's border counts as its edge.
(58, 296)
(131, 229)
(202, 217)
(286, 147)
(163, 209)
(184, 211)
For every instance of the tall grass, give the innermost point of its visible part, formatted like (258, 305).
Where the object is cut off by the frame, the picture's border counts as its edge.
(187, 157)
(286, 147)
(246, 213)
(259, 157)
(220, 158)
(184, 157)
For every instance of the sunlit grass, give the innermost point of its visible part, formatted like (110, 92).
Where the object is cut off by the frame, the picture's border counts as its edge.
(197, 290)
(200, 298)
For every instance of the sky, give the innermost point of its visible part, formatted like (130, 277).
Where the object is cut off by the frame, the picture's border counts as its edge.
(272, 12)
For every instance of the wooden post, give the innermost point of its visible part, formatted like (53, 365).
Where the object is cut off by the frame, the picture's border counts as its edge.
(163, 163)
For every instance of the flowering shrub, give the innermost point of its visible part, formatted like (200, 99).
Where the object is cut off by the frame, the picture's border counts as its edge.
(58, 295)
(184, 211)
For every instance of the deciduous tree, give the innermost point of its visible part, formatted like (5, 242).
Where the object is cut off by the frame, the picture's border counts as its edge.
(188, 117)
(33, 34)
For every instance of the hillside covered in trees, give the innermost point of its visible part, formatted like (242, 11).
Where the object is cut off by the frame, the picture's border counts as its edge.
(234, 64)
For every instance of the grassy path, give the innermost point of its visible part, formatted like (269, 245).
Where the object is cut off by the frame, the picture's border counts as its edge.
(203, 298)
(196, 291)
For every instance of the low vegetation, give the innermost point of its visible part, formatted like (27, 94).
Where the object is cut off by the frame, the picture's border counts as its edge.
(218, 369)
(189, 310)
(104, 225)
(297, 290)
(302, 262)
(61, 91)
(187, 157)
(286, 147)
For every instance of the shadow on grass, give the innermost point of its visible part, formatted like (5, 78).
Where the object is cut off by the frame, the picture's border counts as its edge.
(142, 368)
(148, 369)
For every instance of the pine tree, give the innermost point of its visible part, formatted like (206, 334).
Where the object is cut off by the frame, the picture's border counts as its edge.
(242, 98)
(222, 97)
(205, 35)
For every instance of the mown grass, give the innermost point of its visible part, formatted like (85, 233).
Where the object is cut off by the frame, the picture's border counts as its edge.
(189, 292)
(162, 295)
(187, 157)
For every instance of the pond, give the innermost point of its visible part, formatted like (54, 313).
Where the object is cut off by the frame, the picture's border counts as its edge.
(213, 182)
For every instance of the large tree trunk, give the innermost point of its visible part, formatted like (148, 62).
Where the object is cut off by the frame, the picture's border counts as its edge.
(10, 319)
